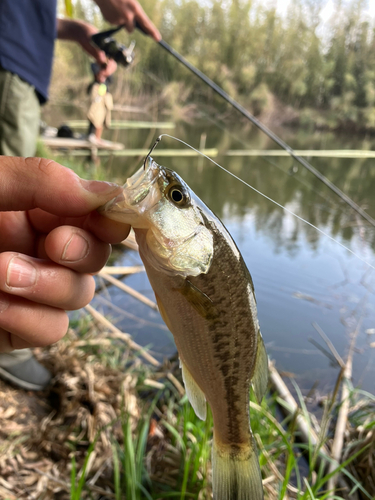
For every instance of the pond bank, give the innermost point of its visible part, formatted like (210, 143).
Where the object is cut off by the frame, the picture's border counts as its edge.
(113, 427)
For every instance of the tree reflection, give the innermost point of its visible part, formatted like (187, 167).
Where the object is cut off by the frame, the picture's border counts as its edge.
(301, 192)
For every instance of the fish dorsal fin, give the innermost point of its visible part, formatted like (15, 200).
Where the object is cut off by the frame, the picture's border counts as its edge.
(194, 393)
(260, 377)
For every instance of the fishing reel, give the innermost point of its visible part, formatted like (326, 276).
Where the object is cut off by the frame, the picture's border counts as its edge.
(113, 49)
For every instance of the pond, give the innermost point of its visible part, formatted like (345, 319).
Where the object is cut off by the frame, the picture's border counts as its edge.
(303, 280)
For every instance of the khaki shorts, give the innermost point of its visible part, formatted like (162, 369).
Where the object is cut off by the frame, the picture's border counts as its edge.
(19, 116)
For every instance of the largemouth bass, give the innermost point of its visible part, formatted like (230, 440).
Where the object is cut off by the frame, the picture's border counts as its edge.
(206, 297)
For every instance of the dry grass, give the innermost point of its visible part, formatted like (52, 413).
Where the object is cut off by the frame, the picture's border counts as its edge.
(41, 432)
(94, 416)
(78, 421)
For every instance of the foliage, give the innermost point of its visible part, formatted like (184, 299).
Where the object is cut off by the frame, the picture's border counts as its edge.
(69, 8)
(251, 48)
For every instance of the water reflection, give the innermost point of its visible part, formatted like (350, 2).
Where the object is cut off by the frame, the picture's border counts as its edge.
(300, 191)
(300, 276)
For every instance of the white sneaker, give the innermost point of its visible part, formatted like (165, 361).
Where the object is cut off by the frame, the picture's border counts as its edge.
(93, 139)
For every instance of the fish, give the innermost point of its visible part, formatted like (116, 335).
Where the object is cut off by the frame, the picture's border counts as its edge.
(205, 295)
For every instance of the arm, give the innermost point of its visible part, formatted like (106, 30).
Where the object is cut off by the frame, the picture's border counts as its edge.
(128, 12)
(80, 32)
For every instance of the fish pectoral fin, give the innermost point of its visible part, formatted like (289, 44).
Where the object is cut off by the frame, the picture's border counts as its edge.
(198, 300)
(260, 377)
(194, 393)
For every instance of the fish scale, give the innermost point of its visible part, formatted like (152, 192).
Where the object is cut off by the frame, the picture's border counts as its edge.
(235, 359)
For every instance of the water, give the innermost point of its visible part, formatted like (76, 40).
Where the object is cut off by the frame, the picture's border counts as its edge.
(301, 278)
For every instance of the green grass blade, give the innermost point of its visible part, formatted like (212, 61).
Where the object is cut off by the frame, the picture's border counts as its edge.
(176, 435)
(116, 473)
(73, 477)
(186, 474)
(342, 468)
(82, 479)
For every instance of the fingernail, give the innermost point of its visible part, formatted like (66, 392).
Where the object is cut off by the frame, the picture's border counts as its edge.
(4, 302)
(21, 273)
(100, 187)
(76, 249)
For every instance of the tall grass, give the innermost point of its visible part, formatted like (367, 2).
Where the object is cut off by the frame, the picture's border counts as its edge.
(176, 463)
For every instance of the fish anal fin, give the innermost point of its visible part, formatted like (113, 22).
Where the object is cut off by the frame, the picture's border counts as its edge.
(194, 393)
(260, 376)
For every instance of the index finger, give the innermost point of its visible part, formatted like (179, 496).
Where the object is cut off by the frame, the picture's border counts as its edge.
(28, 183)
(143, 22)
(105, 229)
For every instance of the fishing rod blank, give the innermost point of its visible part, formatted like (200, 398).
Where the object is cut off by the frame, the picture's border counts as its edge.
(264, 129)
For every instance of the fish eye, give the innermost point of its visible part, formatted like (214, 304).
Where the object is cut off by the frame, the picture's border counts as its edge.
(177, 195)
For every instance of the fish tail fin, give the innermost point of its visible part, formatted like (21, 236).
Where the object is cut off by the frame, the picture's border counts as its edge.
(236, 473)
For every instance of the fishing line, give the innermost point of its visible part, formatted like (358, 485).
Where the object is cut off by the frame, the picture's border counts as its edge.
(101, 36)
(264, 196)
(270, 162)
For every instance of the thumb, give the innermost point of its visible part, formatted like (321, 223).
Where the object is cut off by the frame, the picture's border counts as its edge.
(28, 183)
(98, 54)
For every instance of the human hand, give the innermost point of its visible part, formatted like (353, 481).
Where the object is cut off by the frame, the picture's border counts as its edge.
(81, 32)
(51, 240)
(128, 12)
(106, 71)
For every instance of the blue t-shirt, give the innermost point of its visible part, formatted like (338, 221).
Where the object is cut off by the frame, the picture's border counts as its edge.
(27, 38)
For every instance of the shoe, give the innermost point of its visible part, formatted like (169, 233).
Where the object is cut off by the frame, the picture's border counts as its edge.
(93, 139)
(104, 143)
(29, 375)
(101, 143)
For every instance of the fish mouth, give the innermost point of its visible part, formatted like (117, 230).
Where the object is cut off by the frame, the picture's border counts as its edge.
(140, 184)
(142, 175)
(136, 189)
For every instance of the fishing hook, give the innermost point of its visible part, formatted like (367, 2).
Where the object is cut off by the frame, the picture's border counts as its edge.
(151, 150)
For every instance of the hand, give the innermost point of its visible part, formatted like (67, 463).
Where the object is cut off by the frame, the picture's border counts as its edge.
(51, 240)
(81, 32)
(106, 71)
(128, 12)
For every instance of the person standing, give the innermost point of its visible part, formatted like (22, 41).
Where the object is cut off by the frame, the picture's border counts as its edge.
(28, 29)
(101, 104)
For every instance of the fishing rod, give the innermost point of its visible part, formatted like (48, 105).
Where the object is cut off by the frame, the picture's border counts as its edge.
(266, 130)
(262, 127)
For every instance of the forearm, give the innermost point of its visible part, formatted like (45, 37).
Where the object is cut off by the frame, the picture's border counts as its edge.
(68, 29)
(80, 32)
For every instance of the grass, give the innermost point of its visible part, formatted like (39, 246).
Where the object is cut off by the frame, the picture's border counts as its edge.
(165, 453)
(108, 433)
(183, 469)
